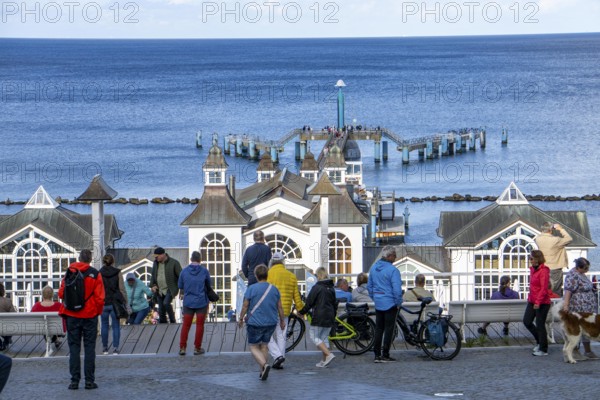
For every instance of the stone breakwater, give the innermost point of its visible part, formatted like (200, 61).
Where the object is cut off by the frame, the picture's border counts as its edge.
(455, 198)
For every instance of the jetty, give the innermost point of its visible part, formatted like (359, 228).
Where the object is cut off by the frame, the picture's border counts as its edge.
(427, 147)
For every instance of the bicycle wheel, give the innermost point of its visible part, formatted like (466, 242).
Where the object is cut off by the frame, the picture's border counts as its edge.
(365, 337)
(452, 339)
(295, 332)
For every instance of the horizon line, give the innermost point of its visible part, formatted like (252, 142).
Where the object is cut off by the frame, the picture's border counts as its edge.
(304, 38)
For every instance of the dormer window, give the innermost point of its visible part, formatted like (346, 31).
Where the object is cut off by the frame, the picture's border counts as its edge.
(216, 177)
(335, 176)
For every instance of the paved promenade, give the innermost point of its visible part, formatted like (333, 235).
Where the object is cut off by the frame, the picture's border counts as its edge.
(495, 373)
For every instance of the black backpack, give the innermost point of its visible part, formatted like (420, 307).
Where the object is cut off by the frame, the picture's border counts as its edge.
(74, 294)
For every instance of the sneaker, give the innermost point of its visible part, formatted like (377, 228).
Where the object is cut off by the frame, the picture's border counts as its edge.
(536, 348)
(91, 385)
(482, 331)
(539, 353)
(505, 331)
(590, 355)
(320, 364)
(277, 363)
(377, 360)
(387, 359)
(105, 351)
(198, 351)
(577, 356)
(182, 351)
(328, 359)
(265, 372)
(116, 352)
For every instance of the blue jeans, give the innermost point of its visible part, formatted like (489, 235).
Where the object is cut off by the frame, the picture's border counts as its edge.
(260, 334)
(116, 328)
(137, 317)
(86, 329)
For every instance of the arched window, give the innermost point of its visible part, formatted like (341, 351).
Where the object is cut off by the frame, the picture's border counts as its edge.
(340, 254)
(215, 251)
(506, 254)
(284, 244)
(30, 261)
(408, 271)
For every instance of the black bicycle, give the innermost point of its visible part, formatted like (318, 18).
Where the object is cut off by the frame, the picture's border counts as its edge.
(438, 336)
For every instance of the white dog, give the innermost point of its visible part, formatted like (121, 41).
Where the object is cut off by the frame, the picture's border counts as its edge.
(574, 326)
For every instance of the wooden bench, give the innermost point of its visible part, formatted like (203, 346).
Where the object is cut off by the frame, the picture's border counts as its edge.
(28, 324)
(482, 311)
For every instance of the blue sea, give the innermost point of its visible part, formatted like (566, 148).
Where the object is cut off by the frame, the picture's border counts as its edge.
(130, 109)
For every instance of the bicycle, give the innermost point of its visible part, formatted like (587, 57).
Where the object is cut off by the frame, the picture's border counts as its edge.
(353, 332)
(438, 336)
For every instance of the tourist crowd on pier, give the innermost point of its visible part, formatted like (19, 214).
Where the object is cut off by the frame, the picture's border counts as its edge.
(271, 295)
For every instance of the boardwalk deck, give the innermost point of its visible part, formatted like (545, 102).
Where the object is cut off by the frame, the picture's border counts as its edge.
(225, 337)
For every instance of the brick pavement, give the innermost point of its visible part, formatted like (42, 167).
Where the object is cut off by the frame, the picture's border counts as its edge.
(494, 373)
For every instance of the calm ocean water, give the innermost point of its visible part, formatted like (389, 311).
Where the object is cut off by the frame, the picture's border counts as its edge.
(130, 109)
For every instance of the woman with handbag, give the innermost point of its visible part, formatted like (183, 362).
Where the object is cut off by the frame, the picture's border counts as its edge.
(193, 283)
(115, 303)
(262, 304)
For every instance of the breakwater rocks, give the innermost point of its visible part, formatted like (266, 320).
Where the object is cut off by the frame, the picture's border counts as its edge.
(468, 197)
(455, 197)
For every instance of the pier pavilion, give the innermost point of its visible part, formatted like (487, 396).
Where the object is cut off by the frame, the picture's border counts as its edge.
(38, 243)
(478, 247)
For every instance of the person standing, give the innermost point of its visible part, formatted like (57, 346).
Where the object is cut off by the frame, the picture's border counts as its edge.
(321, 301)
(5, 306)
(581, 297)
(287, 284)
(165, 276)
(114, 291)
(538, 302)
(258, 253)
(262, 303)
(136, 294)
(83, 324)
(192, 282)
(385, 287)
(554, 249)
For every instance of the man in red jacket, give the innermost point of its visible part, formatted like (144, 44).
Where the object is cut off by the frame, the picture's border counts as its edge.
(83, 324)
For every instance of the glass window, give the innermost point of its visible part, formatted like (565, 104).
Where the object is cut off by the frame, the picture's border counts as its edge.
(213, 250)
(340, 254)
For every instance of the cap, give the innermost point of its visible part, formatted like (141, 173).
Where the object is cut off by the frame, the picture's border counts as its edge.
(131, 275)
(158, 251)
(278, 256)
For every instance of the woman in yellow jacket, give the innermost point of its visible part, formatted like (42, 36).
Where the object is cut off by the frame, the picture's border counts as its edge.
(287, 284)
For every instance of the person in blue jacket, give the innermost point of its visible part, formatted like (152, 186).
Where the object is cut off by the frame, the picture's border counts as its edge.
(385, 287)
(136, 294)
(192, 283)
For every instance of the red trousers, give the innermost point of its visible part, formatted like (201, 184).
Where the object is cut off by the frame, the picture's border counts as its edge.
(185, 329)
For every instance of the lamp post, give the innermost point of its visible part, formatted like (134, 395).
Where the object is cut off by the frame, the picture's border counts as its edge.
(324, 188)
(97, 193)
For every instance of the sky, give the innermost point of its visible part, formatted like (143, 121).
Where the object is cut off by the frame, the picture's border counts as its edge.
(292, 19)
